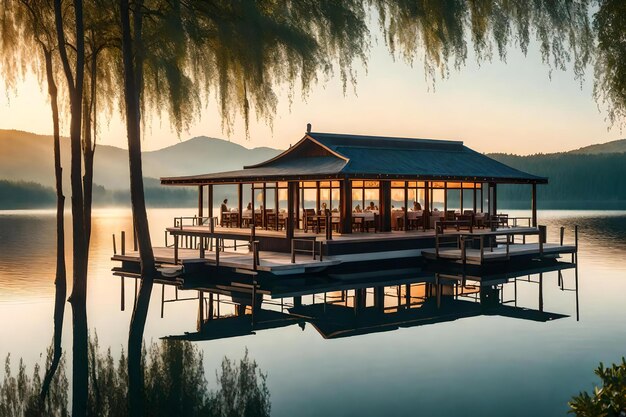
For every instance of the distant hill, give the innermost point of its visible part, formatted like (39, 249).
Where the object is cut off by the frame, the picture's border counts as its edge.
(28, 157)
(589, 177)
(616, 146)
(577, 181)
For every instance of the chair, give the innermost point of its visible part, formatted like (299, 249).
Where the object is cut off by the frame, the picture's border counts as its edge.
(335, 221)
(234, 219)
(225, 219)
(275, 221)
(481, 219)
(415, 220)
(358, 224)
(309, 219)
(270, 219)
(370, 221)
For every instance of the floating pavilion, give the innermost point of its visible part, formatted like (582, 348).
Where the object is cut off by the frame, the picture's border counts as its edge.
(349, 199)
(343, 171)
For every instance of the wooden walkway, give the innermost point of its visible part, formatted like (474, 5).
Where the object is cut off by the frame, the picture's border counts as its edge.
(272, 262)
(473, 256)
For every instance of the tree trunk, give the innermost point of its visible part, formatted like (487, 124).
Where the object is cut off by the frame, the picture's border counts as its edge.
(89, 147)
(78, 298)
(60, 277)
(131, 50)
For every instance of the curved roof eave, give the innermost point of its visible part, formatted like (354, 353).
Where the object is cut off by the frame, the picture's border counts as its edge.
(293, 148)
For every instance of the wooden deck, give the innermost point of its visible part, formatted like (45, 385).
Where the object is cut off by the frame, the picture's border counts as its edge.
(473, 256)
(272, 262)
(245, 233)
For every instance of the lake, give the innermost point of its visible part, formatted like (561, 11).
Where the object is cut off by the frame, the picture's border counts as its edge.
(470, 364)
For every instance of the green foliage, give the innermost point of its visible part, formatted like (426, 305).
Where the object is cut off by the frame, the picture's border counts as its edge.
(442, 30)
(175, 385)
(243, 52)
(610, 68)
(607, 400)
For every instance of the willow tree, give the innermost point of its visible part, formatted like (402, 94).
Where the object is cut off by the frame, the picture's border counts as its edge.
(28, 26)
(441, 33)
(175, 54)
(610, 65)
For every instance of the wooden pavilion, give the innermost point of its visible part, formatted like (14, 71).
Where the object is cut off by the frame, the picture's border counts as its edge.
(337, 175)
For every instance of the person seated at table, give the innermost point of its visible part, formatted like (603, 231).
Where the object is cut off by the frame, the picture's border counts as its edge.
(417, 206)
(358, 209)
(224, 220)
(247, 212)
(371, 207)
(324, 209)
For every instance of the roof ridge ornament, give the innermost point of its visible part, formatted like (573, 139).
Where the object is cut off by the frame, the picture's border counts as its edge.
(308, 128)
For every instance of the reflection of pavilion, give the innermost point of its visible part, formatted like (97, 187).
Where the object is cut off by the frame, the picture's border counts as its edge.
(357, 304)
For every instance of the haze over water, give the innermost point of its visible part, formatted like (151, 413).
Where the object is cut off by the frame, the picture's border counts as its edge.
(489, 365)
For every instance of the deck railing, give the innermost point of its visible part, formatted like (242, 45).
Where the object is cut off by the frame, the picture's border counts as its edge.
(180, 222)
(488, 241)
(311, 250)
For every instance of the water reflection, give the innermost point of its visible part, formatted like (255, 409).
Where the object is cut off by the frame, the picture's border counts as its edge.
(26, 298)
(354, 304)
(174, 378)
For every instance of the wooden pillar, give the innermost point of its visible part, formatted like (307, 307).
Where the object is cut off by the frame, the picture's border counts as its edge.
(461, 203)
(489, 198)
(276, 204)
(200, 203)
(405, 220)
(474, 198)
(292, 198)
(495, 199)
(445, 200)
(345, 204)
(240, 202)
(297, 208)
(426, 205)
(210, 201)
(384, 205)
(318, 195)
(482, 198)
(252, 199)
(534, 205)
(264, 208)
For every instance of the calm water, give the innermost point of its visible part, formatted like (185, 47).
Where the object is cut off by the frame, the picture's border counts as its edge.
(478, 365)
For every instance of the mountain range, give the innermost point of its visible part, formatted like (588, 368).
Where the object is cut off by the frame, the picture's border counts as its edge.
(588, 177)
(27, 157)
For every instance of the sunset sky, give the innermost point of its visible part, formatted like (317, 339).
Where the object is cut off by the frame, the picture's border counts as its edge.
(509, 107)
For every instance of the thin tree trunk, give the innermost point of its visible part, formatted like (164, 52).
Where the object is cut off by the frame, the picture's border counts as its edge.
(78, 298)
(131, 50)
(60, 277)
(89, 116)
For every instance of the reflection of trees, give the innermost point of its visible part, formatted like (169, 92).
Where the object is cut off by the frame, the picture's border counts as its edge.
(174, 379)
